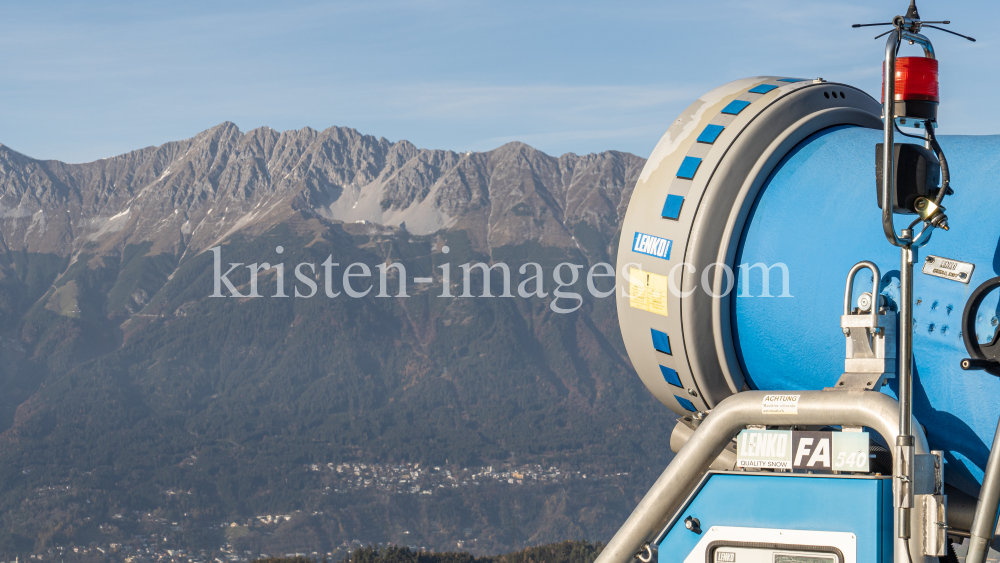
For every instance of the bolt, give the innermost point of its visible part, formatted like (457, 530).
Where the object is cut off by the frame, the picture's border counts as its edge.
(692, 524)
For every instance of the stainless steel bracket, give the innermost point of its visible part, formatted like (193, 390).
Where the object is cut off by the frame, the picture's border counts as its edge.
(870, 331)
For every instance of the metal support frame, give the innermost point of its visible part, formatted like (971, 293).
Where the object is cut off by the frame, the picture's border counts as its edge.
(815, 408)
(889, 118)
(907, 243)
(903, 458)
(985, 519)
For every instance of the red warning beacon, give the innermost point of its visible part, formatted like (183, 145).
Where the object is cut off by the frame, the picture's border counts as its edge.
(916, 87)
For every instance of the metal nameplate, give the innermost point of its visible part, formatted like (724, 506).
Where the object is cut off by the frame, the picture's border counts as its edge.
(948, 269)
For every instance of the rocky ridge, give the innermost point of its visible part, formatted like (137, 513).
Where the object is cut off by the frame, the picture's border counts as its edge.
(187, 196)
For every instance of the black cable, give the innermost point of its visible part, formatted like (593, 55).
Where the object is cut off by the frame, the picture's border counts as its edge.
(914, 223)
(900, 131)
(945, 176)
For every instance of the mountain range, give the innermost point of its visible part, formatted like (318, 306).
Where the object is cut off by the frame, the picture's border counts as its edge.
(136, 405)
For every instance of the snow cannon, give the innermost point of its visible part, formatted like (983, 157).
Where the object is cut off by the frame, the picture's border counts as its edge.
(821, 311)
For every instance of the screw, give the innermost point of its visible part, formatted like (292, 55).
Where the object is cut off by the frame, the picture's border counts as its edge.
(963, 275)
(929, 259)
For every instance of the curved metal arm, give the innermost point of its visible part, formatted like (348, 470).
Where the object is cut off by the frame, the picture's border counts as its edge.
(923, 237)
(849, 290)
(888, 143)
(922, 41)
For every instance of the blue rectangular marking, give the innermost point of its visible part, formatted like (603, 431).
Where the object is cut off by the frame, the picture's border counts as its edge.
(650, 245)
(735, 107)
(686, 404)
(791, 79)
(762, 89)
(661, 342)
(672, 207)
(688, 167)
(710, 133)
(670, 376)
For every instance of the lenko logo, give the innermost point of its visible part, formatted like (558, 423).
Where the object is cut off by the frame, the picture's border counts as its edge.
(651, 246)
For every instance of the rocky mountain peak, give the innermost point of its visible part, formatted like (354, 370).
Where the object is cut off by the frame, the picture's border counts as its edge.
(196, 192)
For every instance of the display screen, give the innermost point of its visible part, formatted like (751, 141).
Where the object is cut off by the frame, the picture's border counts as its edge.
(787, 558)
(771, 553)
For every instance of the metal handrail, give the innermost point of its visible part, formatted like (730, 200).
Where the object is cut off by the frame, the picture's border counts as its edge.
(815, 408)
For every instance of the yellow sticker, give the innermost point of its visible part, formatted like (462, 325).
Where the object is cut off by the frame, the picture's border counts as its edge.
(647, 291)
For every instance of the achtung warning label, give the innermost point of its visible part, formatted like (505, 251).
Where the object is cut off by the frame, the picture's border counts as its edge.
(647, 291)
(780, 404)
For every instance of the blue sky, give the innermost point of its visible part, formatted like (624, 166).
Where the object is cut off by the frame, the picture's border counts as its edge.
(82, 80)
